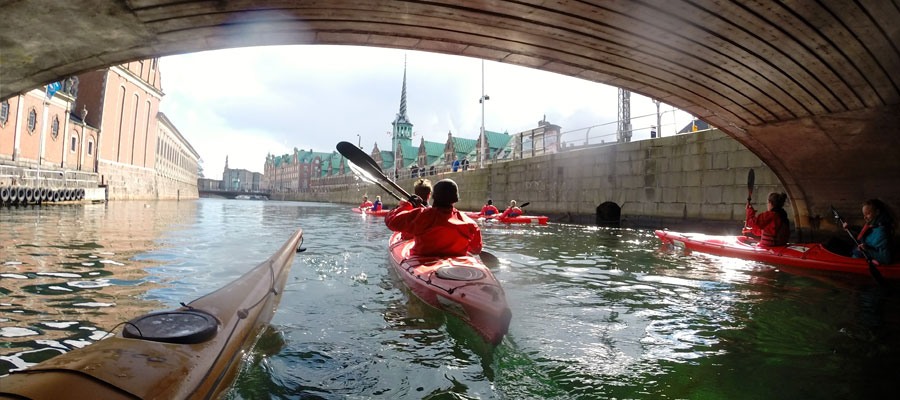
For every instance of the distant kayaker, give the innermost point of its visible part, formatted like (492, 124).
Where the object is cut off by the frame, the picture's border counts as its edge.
(440, 230)
(489, 208)
(511, 211)
(772, 226)
(366, 204)
(875, 236)
(377, 205)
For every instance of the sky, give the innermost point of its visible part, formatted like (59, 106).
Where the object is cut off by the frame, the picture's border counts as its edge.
(245, 103)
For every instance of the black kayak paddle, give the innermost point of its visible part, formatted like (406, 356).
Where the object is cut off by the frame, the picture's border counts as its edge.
(872, 268)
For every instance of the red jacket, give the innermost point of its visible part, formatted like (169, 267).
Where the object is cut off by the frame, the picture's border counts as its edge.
(439, 232)
(772, 228)
(489, 210)
(511, 212)
(365, 205)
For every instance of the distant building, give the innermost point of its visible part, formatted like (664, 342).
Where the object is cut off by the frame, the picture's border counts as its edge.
(177, 163)
(240, 179)
(545, 139)
(209, 184)
(694, 126)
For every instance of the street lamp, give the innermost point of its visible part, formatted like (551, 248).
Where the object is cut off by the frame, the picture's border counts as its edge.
(481, 100)
(359, 141)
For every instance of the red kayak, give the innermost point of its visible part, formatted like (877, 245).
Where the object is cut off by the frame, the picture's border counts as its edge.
(477, 215)
(379, 213)
(803, 255)
(461, 286)
(522, 219)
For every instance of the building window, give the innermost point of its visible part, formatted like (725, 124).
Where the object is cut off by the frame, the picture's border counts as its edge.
(4, 112)
(74, 141)
(32, 120)
(54, 128)
(90, 147)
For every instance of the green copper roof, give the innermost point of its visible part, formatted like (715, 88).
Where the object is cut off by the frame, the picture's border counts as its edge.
(463, 146)
(388, 157)
(496, 140)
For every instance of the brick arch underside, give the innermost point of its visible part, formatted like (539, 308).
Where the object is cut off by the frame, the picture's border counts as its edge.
(809, 87)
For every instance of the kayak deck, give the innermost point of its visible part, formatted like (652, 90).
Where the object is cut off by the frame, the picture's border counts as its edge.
(461, 286)
(135, 368)
(802, 255)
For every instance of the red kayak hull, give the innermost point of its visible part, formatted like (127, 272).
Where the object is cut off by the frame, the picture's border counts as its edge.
(379, 213)
(522, 219)
(480, 303)
(801, 255)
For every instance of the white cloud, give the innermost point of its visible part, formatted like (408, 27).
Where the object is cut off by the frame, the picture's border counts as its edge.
(249, 102)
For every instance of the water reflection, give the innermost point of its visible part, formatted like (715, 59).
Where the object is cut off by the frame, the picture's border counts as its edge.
(597, 312)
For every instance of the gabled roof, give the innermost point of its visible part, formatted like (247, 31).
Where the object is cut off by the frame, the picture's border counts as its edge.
(496, 140)
(388, 157)
(701, 126)
(410, 153)
(433, 151)
(463, 146)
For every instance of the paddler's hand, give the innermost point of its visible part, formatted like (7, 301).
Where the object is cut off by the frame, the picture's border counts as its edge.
(415, 200)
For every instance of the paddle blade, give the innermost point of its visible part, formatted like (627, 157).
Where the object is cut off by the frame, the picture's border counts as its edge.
(489, 260)
(525, 204)
(751, 179)
(361, 173)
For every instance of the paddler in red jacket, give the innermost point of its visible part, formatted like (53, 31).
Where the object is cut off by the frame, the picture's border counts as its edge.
(440, 230)
(772, 226)
(366, 204)
(511, 211)
(489, 209)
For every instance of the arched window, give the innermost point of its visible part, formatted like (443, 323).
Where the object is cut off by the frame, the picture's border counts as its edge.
(32, 120)
(54, 128)
(74, 141)
(4, 112)
(91, 147)
(146, 132)
(121, 122)
(134, 126)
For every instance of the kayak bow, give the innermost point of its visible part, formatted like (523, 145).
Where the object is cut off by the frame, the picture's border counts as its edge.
(190, 353)
(461, 286)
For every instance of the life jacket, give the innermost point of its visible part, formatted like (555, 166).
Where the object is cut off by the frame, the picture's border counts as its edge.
(781, 231)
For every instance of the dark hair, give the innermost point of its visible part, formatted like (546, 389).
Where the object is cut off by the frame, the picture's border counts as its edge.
(885, 218)
(423, 188)
(777, 199)
(490, 202)
(445, 193)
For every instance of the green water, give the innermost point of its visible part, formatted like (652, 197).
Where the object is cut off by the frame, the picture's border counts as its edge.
(597, 313)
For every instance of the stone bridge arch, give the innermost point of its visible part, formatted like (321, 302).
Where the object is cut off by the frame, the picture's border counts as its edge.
(809, 87)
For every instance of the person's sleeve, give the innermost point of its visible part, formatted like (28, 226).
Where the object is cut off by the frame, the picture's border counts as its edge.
(505, 213)
(400, 219)
(752, 221)
(475, 243)
(877, 246)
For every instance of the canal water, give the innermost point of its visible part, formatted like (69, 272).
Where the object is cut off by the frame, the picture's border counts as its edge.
(597, 312)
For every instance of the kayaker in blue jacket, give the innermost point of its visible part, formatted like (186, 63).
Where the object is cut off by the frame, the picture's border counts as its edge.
(377, 205)
(875, 236)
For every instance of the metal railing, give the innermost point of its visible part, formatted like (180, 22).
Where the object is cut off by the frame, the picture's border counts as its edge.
(49, 178)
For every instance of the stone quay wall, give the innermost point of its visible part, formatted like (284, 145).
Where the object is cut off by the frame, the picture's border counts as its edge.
(685, 180)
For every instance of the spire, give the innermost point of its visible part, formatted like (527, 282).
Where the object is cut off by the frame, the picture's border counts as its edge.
(226, 161)
(402, 115)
